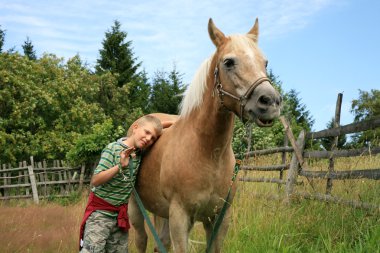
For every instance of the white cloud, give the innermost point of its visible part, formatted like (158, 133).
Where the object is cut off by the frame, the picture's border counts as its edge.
(161, 31)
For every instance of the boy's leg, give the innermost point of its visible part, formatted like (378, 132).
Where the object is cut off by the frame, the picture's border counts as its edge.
(118, 241)
(96, 232)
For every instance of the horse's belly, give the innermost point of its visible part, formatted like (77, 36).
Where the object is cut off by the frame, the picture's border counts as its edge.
(208, 206)
(173, 172)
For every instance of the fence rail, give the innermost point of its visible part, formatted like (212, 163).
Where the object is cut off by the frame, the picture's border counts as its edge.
(301, 168)
(342, 153)
(347, 129)
(266, 168)
(298, 167)
(38, 180)
(269, 151)
(340, 175)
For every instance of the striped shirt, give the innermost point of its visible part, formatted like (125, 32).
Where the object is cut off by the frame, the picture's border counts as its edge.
(117, 190)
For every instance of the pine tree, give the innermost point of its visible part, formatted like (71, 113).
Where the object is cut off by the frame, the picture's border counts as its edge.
(29, 49)
(293, 108)
(178, 88)
(2, 39)
(159, 100)
(117, 57)
(139, 92)
(167, 92)
(276, 82)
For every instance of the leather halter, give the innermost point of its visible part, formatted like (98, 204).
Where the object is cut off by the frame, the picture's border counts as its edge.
(242, 99)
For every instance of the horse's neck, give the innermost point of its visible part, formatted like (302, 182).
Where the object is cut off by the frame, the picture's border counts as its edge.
(214, 124)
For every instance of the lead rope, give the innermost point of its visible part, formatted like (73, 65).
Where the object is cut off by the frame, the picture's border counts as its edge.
(223, 211)
(226, 204)
(145, 213)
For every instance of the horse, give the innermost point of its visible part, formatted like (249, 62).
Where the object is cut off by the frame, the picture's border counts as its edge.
(186, 174)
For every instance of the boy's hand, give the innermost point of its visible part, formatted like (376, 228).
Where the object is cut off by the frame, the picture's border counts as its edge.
(167, 123)
(124, 156)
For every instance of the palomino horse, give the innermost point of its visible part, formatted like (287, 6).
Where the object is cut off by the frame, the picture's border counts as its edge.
(187, 173)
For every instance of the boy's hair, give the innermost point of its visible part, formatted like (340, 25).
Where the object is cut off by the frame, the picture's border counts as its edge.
(148, 119)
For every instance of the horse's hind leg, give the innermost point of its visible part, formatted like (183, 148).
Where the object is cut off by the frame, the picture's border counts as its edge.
(216, 246)
(162, 226)
(137, 220)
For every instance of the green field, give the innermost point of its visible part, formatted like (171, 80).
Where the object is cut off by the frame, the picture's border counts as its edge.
(261, 222)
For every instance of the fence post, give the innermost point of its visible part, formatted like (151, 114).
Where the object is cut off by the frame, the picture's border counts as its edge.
(4, 191)
(334, 145)
(81, 177)
(294, 165)
(283, 155)
(33, 181)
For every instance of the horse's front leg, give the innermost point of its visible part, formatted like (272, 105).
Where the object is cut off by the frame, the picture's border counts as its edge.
(162, 225)
(217, 243)
(137, 220)
(180, 224)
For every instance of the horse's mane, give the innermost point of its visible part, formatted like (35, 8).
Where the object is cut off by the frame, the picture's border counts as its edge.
(193, 96)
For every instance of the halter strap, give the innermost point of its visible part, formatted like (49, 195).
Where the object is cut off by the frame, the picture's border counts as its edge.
(242, 99)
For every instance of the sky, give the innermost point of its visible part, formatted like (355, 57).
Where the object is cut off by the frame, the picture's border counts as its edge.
(318, 47)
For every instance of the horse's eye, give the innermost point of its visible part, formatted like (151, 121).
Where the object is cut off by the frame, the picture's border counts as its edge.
(229, 63)
(266, 63)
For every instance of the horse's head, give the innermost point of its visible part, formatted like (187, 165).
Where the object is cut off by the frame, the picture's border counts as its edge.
(241, 78)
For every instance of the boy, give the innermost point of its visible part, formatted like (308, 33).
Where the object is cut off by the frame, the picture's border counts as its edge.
(105, 224)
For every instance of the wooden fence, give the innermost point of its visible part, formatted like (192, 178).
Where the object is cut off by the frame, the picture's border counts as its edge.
(281, 167)
(297, 167)
(39, 180)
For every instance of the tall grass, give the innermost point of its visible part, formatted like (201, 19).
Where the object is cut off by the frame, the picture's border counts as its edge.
(259, 223)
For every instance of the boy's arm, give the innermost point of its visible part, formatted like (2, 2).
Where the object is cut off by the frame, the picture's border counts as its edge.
(167, 123)
(106, 175)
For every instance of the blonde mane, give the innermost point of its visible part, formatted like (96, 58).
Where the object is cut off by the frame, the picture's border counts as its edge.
(193, 96)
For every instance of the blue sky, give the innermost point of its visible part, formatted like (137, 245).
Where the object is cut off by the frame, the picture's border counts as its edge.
(317, 47)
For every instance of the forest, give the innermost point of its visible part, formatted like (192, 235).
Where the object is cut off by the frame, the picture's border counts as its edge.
(52, 108)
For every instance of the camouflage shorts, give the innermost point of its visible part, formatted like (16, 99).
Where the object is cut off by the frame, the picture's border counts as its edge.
(101, 234)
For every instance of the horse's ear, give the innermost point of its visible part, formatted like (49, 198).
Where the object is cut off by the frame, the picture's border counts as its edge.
(216, 35)
(255, 31)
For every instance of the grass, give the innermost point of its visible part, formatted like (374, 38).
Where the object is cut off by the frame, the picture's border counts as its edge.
(303, 226)
(259, 223)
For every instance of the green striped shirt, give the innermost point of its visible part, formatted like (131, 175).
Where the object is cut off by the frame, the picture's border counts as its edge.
(119, 188)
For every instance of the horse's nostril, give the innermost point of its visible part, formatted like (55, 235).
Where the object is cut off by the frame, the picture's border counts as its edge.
(265, 100)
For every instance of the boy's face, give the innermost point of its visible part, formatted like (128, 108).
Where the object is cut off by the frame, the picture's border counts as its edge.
(144, 135)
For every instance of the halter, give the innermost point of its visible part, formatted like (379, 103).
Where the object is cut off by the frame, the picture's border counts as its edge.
(242, 99)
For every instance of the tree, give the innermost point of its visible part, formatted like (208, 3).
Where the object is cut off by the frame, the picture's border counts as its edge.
(276, 82)
(2, 39)
(167, 92)
(293, 108)
(139, 92)
(45, 105)
(177, 86)
(117, 57)
(29, 49)
(366, 107)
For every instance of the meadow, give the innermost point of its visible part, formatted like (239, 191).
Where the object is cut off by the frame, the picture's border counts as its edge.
(261, 221)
